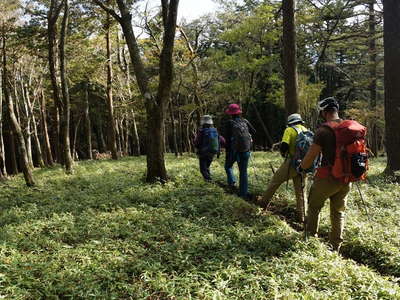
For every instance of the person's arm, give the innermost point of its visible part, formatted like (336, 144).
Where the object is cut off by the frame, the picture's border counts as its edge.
(311, 155)
(285, 142)
(284, 148)
(228, 133)
(222, 141)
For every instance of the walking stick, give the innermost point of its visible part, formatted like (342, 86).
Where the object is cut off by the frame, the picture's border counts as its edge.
(303, 184)
(272, 168)
(364, 204)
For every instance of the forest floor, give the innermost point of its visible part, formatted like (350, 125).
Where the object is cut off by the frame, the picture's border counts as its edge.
(103, 233)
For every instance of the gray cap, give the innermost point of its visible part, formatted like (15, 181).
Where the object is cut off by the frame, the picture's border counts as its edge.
(294, 118)
(206, 119)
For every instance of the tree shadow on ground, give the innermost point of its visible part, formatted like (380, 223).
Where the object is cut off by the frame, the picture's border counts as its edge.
(172, 228)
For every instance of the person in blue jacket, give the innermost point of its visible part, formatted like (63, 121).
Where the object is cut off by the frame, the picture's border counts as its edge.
(208, 143)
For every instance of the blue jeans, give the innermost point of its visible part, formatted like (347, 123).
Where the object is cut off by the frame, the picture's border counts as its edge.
(242, 158)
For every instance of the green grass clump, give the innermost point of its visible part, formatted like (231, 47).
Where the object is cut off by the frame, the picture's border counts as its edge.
(104, 234)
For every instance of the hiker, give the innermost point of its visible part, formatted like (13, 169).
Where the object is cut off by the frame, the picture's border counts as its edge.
(208, 143)
(238, 146)
(328, 182)
(287, 169)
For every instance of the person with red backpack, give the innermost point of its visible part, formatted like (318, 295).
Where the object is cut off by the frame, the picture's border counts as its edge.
(238, 146)
(344, 160)
(208, 143)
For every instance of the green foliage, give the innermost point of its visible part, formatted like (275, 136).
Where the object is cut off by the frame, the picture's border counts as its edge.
(104, 234)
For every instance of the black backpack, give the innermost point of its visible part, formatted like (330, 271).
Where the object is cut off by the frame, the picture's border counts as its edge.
(241, 138)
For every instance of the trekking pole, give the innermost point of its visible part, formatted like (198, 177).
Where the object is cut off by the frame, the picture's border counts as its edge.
(303, 184)
(272, 168)
(364, 204)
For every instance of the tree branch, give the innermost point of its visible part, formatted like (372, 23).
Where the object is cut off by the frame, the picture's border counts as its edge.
(108, 10)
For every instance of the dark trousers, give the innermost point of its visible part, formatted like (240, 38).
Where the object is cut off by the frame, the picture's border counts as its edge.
(205, 161)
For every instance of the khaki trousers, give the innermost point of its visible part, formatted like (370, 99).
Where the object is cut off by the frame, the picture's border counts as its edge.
(284, 173)
(336, 191)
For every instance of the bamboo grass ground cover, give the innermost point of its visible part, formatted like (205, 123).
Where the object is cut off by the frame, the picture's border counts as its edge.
(104, 234)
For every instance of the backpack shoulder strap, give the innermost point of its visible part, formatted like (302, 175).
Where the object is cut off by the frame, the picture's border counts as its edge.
(298, 130)
(332, 124)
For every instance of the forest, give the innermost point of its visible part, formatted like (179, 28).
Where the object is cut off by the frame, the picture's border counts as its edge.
(100, 192)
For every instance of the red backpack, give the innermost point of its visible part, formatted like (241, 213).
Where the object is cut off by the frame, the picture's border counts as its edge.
(351, 159)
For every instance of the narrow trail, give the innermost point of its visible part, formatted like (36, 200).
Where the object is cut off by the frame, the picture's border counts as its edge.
(288, 214)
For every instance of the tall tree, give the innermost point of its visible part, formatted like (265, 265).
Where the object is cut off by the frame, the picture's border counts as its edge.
(45, 133)
(289, 57)
(112, 136)
(155, 104)
(391, 11)
(88, 126)
(52, 17)
(26, 169)
(65, 123)
(372, 70)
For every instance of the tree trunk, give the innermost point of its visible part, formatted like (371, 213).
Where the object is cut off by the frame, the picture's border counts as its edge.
(125, 128)
(372, 53)
(373, 143)
(289, 54)
(45, 132)
(174, 139)
(156, 170)
(28, 120)
(155, 106)
(56, 135)
(392, 83)
(181, 138)
(27, 171)
(13, 152)
(88, 127)
(36, 140)
(3, 168)
(74, 153)
(136, 140)
(52, 18)
(112, 131)
(264, 127)
(118, 135)
(188, 135)
(65, 92)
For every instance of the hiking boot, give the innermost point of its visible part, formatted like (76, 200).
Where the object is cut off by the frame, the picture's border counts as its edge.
(259, 201)
(232, 188)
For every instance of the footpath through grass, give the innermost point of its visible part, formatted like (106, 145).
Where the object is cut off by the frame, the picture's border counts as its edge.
(104, 234)
(372, 231)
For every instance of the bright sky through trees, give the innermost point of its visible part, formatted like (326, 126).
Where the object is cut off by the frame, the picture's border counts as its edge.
(191, 9)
